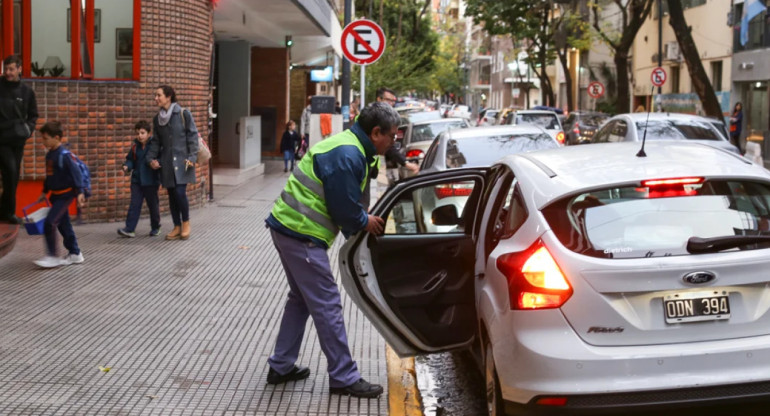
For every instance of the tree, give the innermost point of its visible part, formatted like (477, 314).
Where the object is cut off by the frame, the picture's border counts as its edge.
(571, 31)
(700, 80)
(633, 13)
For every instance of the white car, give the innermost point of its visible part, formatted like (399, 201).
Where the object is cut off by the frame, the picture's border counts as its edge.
(460, 111)
(662, 126)
(586, 279)
(547, 120)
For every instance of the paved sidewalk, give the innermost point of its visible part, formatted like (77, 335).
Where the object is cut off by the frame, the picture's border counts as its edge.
(184, 327)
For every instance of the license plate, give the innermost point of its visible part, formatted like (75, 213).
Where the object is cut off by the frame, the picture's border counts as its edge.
(696, 306)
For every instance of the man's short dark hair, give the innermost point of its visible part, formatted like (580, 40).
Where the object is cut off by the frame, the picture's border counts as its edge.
(378, 114)
(12, 59)
(143, 124)
(382, 90)
(53, 129)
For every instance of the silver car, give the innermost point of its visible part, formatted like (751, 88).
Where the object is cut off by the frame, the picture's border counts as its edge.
(417, 136)
(547, 120)
(585, 279)
(662, 126)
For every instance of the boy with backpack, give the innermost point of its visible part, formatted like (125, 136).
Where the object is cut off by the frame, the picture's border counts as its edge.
(144, 183)
(65, 181)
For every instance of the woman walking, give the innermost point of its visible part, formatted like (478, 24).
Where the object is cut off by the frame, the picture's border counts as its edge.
(289, 144)
(736, 125)
(174, 152)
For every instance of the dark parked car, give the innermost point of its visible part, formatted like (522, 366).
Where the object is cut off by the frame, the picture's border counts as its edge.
(580, 126)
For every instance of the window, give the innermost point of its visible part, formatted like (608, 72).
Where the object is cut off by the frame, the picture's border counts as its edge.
(105, 34)
(618, 132)
(686, 4)
(716, 75)
(675, 80)
(438, 207)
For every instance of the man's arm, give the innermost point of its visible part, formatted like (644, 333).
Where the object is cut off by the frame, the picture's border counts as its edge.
(342, 170)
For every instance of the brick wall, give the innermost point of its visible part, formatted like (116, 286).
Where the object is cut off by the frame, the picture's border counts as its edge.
(98, 117)
(270, 87)
(298, 94)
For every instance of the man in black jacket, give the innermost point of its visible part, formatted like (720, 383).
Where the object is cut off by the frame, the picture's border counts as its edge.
(18, 114)
(393, 157)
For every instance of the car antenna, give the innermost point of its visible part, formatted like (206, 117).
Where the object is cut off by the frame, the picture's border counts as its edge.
(644, 136)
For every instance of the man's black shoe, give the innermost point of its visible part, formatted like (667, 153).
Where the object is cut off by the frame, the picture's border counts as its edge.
(360, 388)
(296, 374)
(11, 220)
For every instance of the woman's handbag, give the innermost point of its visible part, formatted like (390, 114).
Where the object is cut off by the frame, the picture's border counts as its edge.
(204, 153)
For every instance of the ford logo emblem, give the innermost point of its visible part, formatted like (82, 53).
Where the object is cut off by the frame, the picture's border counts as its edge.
(697, 278)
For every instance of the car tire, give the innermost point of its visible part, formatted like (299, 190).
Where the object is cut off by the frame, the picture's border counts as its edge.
(494, 393)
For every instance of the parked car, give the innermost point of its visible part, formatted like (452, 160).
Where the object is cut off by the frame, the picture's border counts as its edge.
(487, 117)
(545, 119)
(460, 111)
(584, 279)
(505, 116)
(418, 136)
(662, 126)
(580, 126)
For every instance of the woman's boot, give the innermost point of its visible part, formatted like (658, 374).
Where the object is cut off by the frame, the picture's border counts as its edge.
(175, 233)
(185, 230)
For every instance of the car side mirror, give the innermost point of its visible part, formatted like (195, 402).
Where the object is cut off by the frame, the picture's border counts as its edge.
(445, 215)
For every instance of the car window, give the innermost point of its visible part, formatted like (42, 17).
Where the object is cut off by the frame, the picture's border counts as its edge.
(658, 221)
(546, 121)
(618, 132)
(485, 150)
(516, 211)
(603, 135)
(425, 132)
(679, 130)
(417, 212)
(592, 120)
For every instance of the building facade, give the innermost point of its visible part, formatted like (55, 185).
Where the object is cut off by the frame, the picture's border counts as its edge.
(100, 86)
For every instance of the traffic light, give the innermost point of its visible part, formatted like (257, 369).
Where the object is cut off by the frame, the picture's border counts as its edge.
(289, 42)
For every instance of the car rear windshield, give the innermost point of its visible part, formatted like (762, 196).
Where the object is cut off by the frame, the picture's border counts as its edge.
(678, 130)
(424, 132)
(546, 121)
(592, 120)
(486, 150)
(658, 220)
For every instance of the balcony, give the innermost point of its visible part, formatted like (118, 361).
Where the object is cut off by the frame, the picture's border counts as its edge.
(759, 34)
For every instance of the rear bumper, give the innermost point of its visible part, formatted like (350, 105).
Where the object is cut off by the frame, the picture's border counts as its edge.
(748, 396)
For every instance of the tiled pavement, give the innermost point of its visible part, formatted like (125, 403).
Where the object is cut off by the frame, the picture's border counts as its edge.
(184, 327)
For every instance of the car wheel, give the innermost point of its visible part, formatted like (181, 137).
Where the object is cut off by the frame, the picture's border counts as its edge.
(494, 394)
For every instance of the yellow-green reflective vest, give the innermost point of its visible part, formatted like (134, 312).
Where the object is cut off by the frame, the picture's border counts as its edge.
(302, 206)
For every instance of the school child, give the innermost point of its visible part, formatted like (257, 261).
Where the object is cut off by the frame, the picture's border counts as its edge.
(144, 183)
(64, 181)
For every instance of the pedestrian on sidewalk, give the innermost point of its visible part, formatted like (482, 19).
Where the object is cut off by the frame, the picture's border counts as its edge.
(736, 125)
(65, 182)
(290, 143)
(144, 183)
(304, 121)
(393, 157)
(174, 152)
(322, 198)
(18, 114)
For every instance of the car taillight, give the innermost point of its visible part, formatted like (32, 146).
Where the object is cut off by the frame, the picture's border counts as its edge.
(552, 401)
(453, 189)
(560, 137)
(670, 187)
(576, 130)
(534, 279)
(414, 154)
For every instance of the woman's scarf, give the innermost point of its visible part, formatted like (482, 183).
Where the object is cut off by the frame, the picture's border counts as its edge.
(165, 115)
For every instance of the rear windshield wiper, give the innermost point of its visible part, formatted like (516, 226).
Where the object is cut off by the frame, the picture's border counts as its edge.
(697, 245)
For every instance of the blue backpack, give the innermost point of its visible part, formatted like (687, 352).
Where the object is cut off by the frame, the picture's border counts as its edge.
(84, 172)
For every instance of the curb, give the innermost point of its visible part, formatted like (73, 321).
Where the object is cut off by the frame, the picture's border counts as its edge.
(403, 395)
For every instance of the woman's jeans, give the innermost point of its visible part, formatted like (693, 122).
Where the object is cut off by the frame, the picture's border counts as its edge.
(178, 204)
(287, 156)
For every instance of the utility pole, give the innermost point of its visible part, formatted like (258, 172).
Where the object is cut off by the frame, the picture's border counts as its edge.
(660, 37)
(346, 75)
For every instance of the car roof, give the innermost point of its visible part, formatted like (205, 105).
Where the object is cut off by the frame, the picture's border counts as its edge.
(556, 173)
(637, 117)
(437, 120)
(536, 112)
(493, 131)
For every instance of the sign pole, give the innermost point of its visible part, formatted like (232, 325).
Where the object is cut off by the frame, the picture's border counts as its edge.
(363, 84)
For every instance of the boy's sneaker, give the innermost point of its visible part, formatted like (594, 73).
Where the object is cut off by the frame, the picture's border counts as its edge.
(49, 262)
(73, 259)
(125, 233)
(155, 232)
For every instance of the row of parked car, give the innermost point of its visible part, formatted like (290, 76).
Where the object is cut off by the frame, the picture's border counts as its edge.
(583, 279)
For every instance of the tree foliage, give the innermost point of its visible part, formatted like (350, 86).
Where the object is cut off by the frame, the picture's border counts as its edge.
(409, 60)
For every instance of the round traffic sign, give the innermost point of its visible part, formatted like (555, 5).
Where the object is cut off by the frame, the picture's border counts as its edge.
(363, 42)
(596, 89)
(658, 76)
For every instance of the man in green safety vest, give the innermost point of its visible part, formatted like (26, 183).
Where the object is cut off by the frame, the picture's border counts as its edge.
(324, 196)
